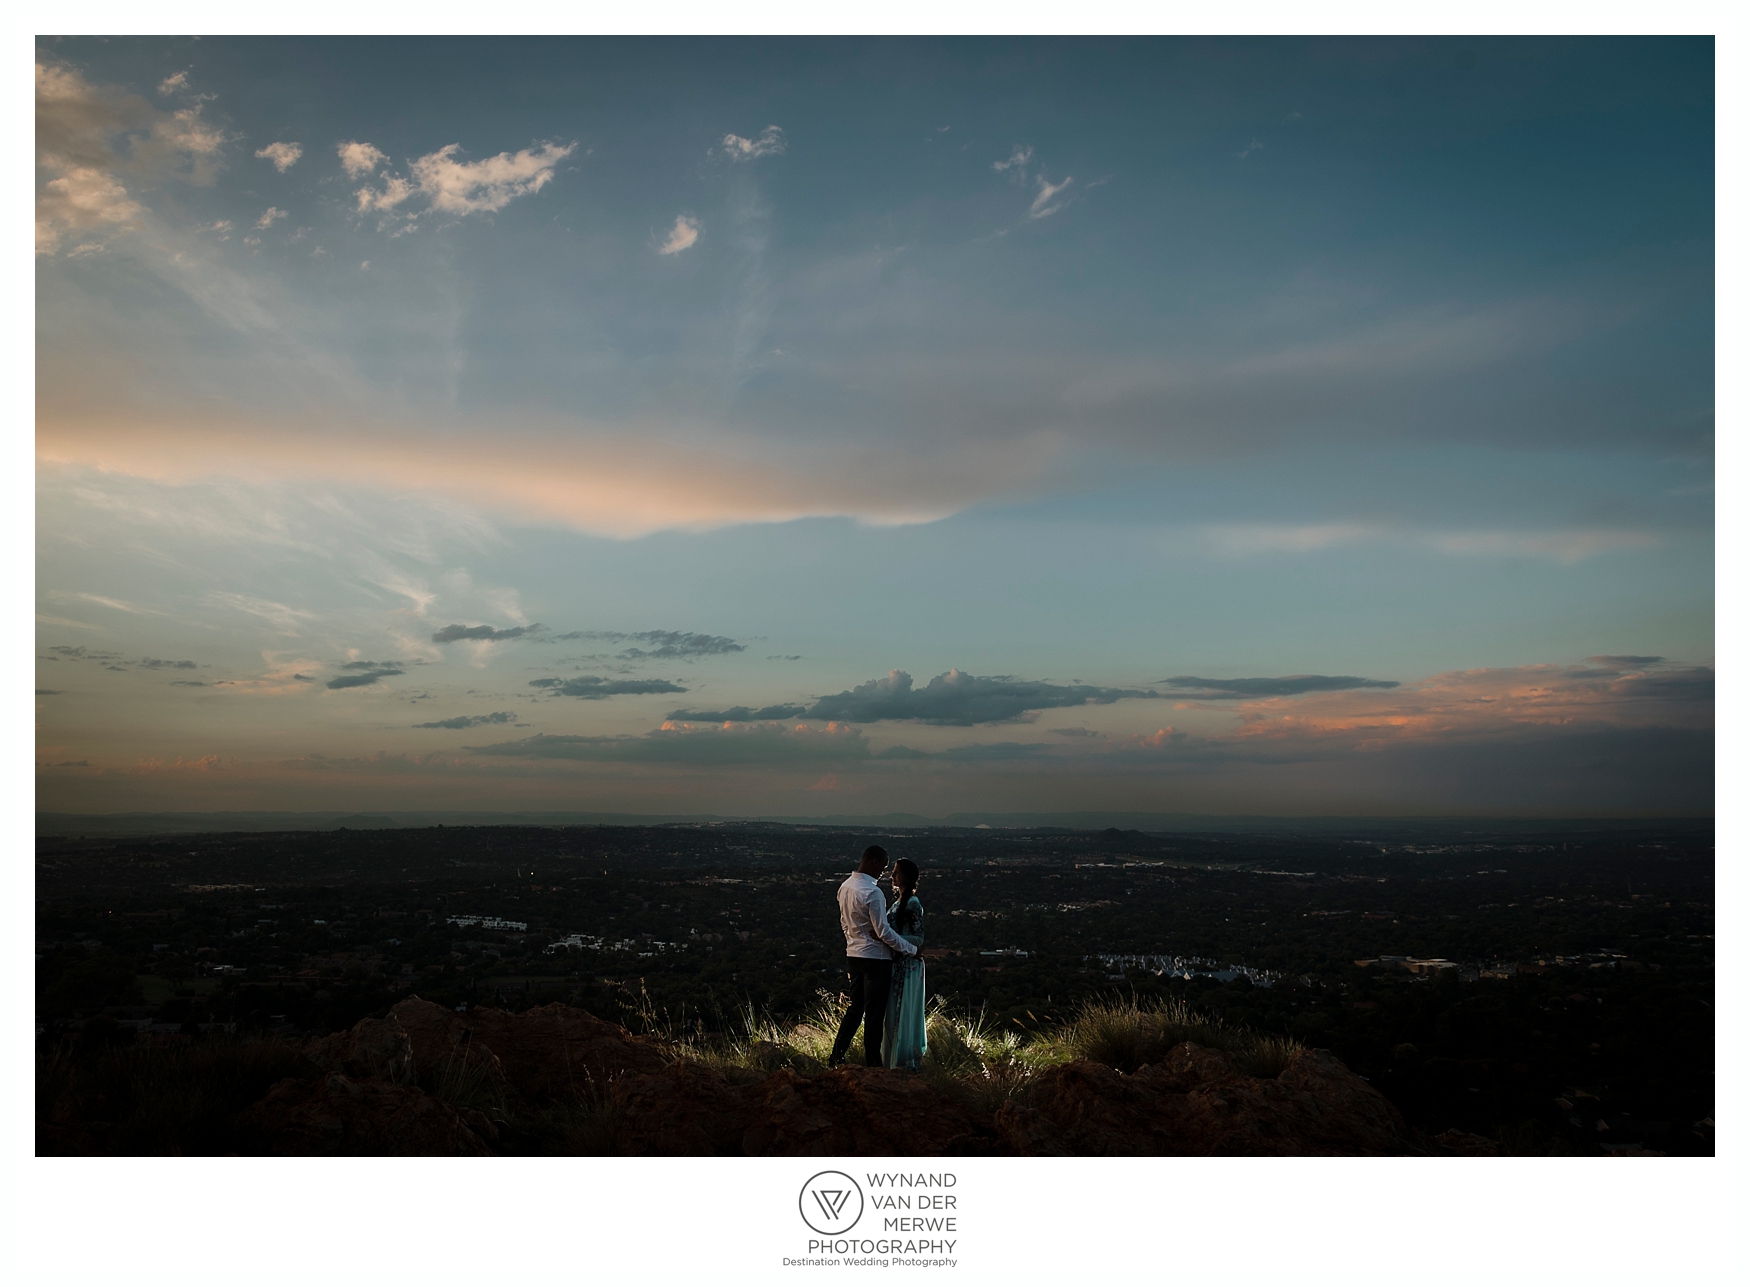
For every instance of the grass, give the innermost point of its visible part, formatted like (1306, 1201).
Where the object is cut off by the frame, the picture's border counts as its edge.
(1124, 1034)
(96, 1094)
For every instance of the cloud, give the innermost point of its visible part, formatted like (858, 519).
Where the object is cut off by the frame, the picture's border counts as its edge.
(621, 485)
(726, 745)
(450, 634)
(1608, 659)
(665, 644)
(459, 187)
(170, 84)
(741, 714)
(958, 698)
(1221, 690)
(1046, 202)
(287, 619)
(1018, 160)
(267, 219)
(359, 159)
(1239, 540)
(681, 237)
(81, 130)
(1253, 146)
(365, 673)
(154, 663)
(595, 687)
(66, 652)
(283, 155)
(1073, 732)
(471, 721)
(769, 142)
(198, 683)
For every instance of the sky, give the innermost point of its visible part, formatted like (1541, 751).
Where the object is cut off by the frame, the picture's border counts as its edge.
(824, 427)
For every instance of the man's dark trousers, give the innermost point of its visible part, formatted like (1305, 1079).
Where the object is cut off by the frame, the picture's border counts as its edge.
(871, 980)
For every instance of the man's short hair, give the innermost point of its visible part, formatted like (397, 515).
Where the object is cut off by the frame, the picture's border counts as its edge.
(872, 853)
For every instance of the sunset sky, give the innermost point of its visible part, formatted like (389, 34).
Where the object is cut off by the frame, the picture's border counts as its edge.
(841, 427)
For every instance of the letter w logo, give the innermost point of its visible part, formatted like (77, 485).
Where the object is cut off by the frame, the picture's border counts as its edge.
(832, 1201)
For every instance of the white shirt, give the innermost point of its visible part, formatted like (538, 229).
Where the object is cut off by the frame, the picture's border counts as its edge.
(863, 916)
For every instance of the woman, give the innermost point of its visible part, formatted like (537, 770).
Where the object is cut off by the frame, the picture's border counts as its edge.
(903, 1042)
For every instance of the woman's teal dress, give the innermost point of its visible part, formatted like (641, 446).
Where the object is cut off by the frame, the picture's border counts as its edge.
(903, 1042)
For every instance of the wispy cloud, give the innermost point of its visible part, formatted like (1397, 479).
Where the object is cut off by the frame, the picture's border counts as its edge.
(1018, 161)
(957, 698)
(683, 236)
(664, 644)
(1253, 146)
(283, 155)
(471, 721)
(596, 687)
(678, 743)
(1220, 690)
(1569, 545)
(171, 84)
(768, 142)
(452, 634)
(1049, 199)
(269, 217)
(87, 135)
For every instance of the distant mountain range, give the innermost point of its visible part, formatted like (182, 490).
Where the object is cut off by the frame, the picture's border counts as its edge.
(138, 824)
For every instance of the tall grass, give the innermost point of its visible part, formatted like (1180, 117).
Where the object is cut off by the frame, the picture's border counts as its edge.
(1126, 1034)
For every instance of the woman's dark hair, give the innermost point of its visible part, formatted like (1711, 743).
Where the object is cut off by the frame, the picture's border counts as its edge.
(905, 884)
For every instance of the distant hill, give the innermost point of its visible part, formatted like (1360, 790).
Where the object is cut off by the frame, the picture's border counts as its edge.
(146, 824)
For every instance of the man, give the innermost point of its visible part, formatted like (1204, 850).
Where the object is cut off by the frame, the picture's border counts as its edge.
(870, 946)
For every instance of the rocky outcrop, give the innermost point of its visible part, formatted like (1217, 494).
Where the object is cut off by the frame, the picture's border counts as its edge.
(862, 1112)
(1196, 1103)
(392, 1086)
(335, 1115)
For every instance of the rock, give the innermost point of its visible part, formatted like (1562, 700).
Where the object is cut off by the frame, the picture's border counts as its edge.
(335, 1115)
(685, 1109)
(864, 1112)
(377, 1048)
(550, 1052)
(1464, 1144)
(1197, 1103)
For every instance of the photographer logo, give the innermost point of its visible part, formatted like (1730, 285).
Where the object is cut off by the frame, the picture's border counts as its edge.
(831, 1203)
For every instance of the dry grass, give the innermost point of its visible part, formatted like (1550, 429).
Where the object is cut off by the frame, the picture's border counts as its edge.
(1125, 1034)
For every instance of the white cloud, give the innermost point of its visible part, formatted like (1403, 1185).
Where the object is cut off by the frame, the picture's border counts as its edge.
(170, 84)
(467, 187)
(359, 159)
(267, 219)
(1046, 202)
(1018, 160)
(83, 197)
(1253, 146)
(395, 191)
(183, 144)
(681, 237)
(769, 142)
(463, 187)
(283, 155)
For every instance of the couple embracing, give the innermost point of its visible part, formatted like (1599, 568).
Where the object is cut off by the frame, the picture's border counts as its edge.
(884, 955)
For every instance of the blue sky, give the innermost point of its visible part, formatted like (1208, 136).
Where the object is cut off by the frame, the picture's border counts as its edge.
(765, 368)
